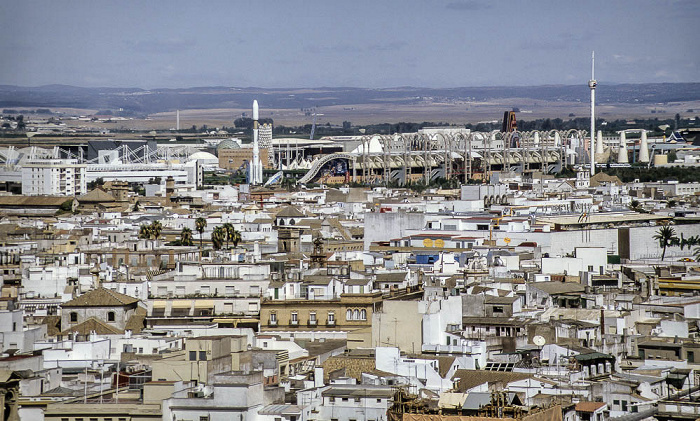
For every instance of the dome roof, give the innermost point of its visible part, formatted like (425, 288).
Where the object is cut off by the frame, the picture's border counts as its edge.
(202, 155)
(228, 144)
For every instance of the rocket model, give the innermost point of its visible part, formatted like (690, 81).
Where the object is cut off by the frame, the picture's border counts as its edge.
(255, 173)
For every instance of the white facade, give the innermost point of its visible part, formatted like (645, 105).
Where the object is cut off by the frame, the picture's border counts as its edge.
(54, 177)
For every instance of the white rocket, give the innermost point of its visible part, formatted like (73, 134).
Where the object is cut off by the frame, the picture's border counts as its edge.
(255, 173)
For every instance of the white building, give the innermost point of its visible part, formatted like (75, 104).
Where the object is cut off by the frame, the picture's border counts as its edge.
(54, 177)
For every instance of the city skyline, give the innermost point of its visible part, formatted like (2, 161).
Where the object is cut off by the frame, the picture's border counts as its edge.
(311, 44)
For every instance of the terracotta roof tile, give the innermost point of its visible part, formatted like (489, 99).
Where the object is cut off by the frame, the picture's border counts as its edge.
(101, 297)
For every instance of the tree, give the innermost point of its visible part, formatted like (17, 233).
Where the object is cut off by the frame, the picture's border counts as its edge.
(671, 156)
(67, 206)
(228, 227)
(200, 223)
(233, 236)
(666, 236)
(155, 229)
(186, 237)
(634, 205)
(217, 237)
(144, 231)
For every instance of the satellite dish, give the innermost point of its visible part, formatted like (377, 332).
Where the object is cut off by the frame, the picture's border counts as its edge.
(539, 340)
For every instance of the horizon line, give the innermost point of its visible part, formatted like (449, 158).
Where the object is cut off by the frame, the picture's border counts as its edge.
(583, 85)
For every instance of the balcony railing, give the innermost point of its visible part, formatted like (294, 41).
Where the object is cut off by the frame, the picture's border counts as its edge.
(312, 323)
(293, 322)
(273, 322)
(330, 322)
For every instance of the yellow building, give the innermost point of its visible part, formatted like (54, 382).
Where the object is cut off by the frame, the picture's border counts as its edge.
(351, 313)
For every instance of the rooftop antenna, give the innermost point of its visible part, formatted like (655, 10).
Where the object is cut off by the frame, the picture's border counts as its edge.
(592, 84)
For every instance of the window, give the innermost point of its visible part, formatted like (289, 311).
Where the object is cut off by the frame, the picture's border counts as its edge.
(204, 418)
(363, 314)
(73, 317)
(379, 401)
(691, 356)
(331, 317)
(202, 355)
(497, 309)
(312, 317)
(230, 290)
(193, 355)
(273, 318)
(295, 318)
(111, 316)
(348, 315)
(356, 315)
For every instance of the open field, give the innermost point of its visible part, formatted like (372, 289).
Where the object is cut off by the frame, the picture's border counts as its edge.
(452, 113)
(220, 106)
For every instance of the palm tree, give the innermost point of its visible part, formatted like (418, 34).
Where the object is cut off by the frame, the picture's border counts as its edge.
(665, 236)
(186, 237)
(156, 228)
(144, 231)
(228, 229)
(200, 223)
(235, 237)
(217, 237)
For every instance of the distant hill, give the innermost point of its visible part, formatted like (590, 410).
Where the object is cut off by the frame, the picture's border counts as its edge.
(160, 100)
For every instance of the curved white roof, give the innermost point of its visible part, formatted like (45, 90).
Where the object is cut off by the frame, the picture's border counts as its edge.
(203, 155)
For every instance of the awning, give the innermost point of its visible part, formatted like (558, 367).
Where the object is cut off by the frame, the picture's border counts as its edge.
(159, 304)
(236, 320)
(182, 304)
(204, 304)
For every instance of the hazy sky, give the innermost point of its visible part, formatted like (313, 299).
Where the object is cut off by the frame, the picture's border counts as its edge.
(309, 43)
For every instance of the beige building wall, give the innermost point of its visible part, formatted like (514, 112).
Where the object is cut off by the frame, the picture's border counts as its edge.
(398, 324)
(233, 159)
(359, 329)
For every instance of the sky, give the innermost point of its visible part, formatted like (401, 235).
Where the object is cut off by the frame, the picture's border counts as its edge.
(333, 43)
